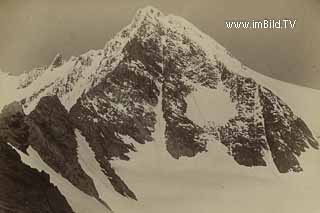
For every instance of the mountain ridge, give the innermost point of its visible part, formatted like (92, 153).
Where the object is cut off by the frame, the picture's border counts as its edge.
(112, 97)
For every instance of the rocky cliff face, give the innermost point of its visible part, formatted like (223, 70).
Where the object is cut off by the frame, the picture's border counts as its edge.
(13, 126)
(287, 135)
(158, 58)
(25, 190)
(22, 188)
(49, 131)
(51, 134)
(111, 94)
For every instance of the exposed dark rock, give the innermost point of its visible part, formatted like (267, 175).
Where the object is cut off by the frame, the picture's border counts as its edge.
(121, 105)
(25, 190)
(247, 143)
(136, 51)
(287, 135)
(52, 136)
(117, 106)
(13, 126)
(49, 131)
(57, 61)
(104, 143)
(182, 134)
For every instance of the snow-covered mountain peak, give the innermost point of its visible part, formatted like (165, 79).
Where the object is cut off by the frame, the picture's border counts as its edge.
(161, 96)
(148, 12)
(151, 23)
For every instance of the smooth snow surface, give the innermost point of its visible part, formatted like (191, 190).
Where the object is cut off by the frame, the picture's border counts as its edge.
(79, 201)
(206, 105)
(8, 85)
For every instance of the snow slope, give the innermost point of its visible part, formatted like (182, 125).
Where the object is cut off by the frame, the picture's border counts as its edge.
(73, 76)
(213, 182)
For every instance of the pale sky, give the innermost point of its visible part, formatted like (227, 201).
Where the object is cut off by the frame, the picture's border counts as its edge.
(32, 32)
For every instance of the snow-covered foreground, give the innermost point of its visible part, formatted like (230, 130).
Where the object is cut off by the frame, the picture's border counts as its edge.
(213, 182)
(79, 201)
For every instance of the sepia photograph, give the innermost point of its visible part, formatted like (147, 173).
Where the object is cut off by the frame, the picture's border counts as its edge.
(149, 106)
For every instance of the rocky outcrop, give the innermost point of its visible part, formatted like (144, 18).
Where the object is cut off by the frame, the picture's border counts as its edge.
(182, 133)
(121, 105)
(287, 135)
(245, 134)
(25, 190)
(52, 136)
(48, 130)
(13, 126)
(57, 61)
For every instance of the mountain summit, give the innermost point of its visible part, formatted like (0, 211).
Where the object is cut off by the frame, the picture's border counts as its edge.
(160, 96)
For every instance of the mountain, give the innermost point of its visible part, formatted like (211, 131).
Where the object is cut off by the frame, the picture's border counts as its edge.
(160, 116)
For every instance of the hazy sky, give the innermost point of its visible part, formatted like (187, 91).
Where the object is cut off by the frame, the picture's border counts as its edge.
(32, 32)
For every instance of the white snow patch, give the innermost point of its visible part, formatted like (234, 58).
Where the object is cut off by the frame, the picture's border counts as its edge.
(206, 105)
(127, 139)
(79, 201)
